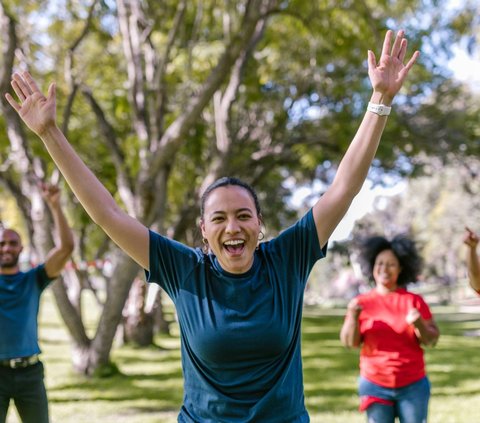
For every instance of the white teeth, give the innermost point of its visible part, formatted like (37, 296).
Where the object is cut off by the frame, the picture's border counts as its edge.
(234, 242)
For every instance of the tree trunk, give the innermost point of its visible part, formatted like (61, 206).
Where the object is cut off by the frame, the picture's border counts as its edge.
(137, 322)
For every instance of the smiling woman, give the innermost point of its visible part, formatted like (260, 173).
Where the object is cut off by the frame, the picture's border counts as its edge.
(239, 304)
(390, 324)
(230, 223)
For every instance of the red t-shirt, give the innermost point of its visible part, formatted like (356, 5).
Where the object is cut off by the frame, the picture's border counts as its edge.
(391, 355)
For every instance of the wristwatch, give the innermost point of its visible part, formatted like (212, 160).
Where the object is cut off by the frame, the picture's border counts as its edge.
(379, 109)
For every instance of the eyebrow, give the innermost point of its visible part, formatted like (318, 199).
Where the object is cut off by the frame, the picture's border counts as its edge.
(243, 209)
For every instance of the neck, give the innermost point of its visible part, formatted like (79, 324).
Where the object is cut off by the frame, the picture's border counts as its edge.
(9, 270)
(384, 290)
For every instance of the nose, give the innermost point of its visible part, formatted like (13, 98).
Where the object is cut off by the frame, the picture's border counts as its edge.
(232, 226)
(6, 247)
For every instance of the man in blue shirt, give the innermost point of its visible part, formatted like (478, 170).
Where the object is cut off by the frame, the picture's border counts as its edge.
(21, 372)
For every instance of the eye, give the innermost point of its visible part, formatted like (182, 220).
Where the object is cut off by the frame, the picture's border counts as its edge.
(244, 216)
(217, 219)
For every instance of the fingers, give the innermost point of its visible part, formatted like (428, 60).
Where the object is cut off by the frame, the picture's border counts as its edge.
(48, 189)
(372, 62)
(12, 102)
(18, 90)
(51, 91)
(397, 45)
(24, 86)
(387, 42)
(403, 50)
(412, 60)
(399, 48)
(20, 87)
(32, 85)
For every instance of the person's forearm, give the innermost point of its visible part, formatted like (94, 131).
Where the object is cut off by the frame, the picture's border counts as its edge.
(94, 197)
(353, 168)
(350, 333)
(427, 332)
(64, 232)
(473, 266)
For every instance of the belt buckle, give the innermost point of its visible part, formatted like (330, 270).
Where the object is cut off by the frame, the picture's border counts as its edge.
(15, 363)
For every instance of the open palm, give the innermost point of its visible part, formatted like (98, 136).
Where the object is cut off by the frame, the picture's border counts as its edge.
(388, 74)
(36, 110)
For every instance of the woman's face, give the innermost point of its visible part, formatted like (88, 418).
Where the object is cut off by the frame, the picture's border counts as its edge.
(386, 270)
(231, 226)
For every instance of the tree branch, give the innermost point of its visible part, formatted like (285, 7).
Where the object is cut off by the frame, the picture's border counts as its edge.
(178, 130)
(130, 18)
(124, 182)
(69, 68)
(158, 82)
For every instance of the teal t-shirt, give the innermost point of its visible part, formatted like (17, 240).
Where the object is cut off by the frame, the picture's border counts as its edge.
(19, 303)
(240, 334)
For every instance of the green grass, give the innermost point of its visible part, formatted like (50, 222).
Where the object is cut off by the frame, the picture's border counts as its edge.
(149, 388)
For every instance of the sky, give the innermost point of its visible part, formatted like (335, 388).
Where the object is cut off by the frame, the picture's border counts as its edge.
(466, 68)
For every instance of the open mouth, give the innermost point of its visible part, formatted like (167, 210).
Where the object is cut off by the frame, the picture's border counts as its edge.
(234, 246)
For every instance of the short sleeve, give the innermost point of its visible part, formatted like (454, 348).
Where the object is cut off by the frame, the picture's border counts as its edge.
(423, 308)
(298, 248)
(43, 280)
(171, 262)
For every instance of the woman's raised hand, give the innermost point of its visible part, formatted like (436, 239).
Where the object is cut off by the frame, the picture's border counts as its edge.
(37, 111)
(388, 74)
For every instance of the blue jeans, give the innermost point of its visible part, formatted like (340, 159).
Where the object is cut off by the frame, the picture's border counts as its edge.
(25, 386)
(410, 403)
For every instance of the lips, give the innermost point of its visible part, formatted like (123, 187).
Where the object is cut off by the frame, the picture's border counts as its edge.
(234, 246)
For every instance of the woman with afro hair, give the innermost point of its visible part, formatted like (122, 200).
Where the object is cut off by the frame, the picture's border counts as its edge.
(390, 324)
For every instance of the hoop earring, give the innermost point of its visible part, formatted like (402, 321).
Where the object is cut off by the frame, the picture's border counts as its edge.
(205, 248)
(261, 236)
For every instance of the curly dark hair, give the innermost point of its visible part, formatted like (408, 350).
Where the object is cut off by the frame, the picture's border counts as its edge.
(404, 249)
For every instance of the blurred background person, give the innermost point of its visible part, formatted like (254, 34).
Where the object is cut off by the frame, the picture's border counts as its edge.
(21, 371)
(390, 324)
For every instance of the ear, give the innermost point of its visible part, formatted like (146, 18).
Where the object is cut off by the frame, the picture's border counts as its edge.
(260, 219)
(202, 227)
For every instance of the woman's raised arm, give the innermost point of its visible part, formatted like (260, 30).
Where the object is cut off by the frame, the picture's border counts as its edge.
(387, 77)
(39, 114)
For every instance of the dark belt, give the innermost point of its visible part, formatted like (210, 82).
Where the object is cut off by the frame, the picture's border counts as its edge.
(20, 362)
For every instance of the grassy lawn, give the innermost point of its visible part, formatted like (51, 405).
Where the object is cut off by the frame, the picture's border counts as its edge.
(150, 386)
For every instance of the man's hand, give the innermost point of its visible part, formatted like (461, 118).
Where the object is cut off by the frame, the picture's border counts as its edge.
(51, 194)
